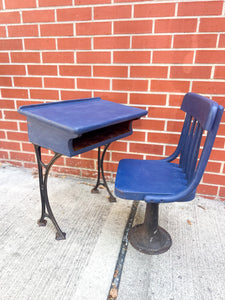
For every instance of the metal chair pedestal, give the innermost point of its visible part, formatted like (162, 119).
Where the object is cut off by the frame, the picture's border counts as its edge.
(149, 237)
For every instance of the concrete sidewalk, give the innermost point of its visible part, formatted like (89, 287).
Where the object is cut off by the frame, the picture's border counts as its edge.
(33, 265)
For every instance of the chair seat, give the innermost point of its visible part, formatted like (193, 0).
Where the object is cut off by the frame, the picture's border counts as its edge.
(139, 178)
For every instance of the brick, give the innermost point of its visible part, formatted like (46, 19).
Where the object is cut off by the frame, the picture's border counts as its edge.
(174, 57)
(37, 16)
(154, 10)
(208, 87)
(92, 174)
(75, 94)
(93, 28)
(169, 86)
(40, 44)
(14, 115)
(75, 70)
(148, 71)
(110, 71)
(85, 2)
(74, 14)
(44, 94)
(130, 85)
(136, 136)
(112, 12)
(175, 25)
(12, 70)
(120, 1)
(4, 154)
(213, 167)
(8, 125)
(1, 6)
(118, 156)
(12, 17)
(133, 27)
(42, 70)
(25, 57)
(80, 163)
(131, 57)
(214, 179)
(27, 147)
(222, 192)
(64, 83)
(13, 4)
(147, 99)
(217, 155)
(74, 43)
(222, 40)
(2, 31)
(93, 83)
(166, 138)
(5, 81)
(166, 113)
(175, 100)
(23, 30)
(210, 56)
(219, 72)
(146, 148)
(4, 57)
(112, 96)
(197, 8)
(9, 145)
(93, 57)
(28, 81)
(7, 104)
(146, 124)
(15, 44)
(151, 42)
(174, 126)
(197, 72)
(112, 42)
(22, 156)
(212, 25)
(56, 29)
(14, 93)
(195, 41)
(58, 57)
(26, 102)
(45, 3)
(207, 189)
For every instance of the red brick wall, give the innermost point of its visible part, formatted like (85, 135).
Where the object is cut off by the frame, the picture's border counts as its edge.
(142, 53)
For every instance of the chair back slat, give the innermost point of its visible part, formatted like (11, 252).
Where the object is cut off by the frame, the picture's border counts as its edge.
(194, 152)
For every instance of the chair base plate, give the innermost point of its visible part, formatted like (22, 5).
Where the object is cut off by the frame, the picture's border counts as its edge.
(148, 243)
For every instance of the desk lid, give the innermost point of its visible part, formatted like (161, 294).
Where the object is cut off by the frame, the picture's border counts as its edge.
(83, 115)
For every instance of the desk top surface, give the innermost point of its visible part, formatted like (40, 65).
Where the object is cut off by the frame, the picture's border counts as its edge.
(80, 116)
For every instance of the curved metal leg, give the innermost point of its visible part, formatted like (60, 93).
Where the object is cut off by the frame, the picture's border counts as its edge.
(148, 237)
(101, 172)
(45, 205)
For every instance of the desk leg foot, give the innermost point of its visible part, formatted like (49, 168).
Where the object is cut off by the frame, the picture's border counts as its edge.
(112, 198)
(149, 238)
(41, 223)
(95, 190)
(60, 236)
(45, 205)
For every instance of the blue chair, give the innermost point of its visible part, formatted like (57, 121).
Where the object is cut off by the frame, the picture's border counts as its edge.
(163, 181)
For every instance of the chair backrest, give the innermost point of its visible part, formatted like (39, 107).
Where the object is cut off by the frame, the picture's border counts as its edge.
(202, 115)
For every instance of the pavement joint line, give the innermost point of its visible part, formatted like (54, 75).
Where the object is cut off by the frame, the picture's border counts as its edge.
(114, 288)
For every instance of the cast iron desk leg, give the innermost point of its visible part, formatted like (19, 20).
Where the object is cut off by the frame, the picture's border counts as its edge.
(101, 171)
(44, 193)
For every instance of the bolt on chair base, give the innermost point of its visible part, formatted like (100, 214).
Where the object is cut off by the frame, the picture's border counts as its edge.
(156, 243)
